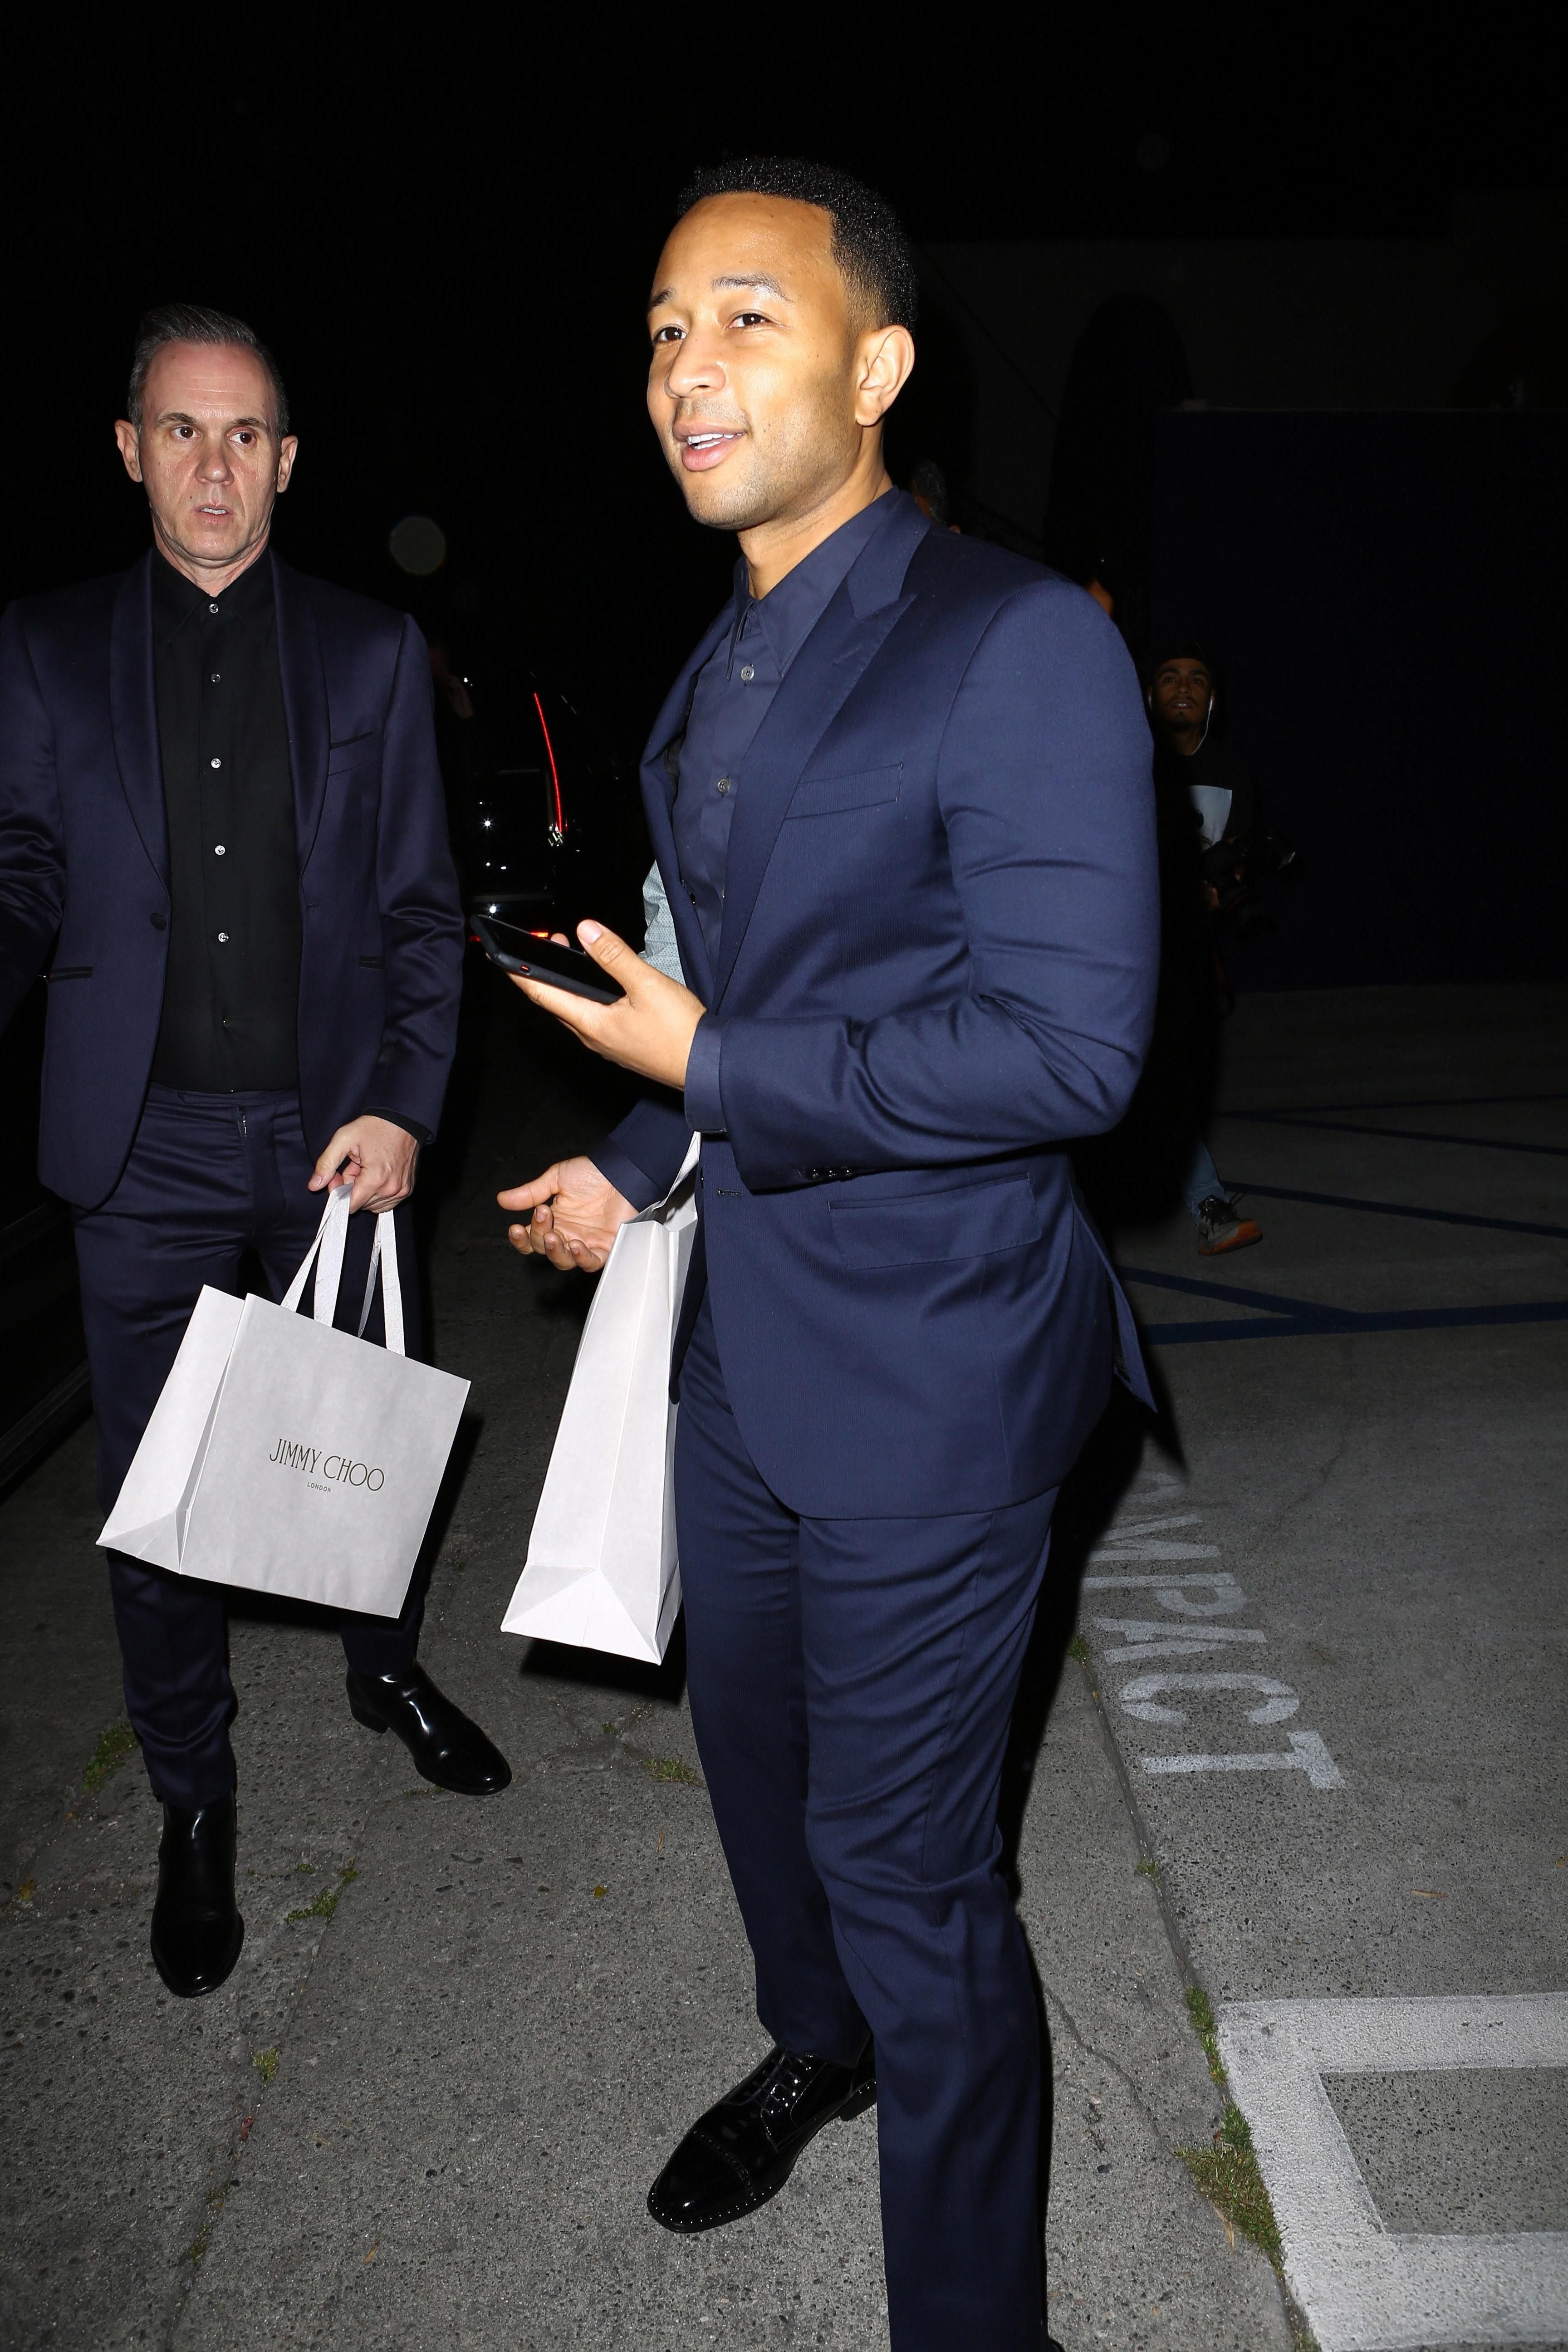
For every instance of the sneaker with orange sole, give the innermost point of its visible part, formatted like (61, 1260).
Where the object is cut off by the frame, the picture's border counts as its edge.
(1222, 1227)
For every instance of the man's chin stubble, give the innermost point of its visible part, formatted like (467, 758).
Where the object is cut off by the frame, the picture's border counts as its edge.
(738, 506)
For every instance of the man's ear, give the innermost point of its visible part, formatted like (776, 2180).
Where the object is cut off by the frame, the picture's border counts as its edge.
(287, 450)
(129, 443)
(886, 359)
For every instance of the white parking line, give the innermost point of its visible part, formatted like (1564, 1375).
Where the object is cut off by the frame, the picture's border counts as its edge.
(1362, 2287)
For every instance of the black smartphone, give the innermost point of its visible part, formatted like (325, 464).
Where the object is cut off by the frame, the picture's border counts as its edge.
(568, 968)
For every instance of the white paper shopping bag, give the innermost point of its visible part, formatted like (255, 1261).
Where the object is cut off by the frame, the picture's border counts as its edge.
(287, 1458)
(602, 1572)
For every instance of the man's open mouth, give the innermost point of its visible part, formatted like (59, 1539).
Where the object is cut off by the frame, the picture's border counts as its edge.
(703, 450)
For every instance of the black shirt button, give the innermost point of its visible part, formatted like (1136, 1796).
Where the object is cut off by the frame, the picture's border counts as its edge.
(160, 922)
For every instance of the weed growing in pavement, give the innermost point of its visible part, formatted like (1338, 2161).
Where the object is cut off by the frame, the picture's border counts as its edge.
(1202, 2015)
(1228, 2176)
(326, 1902)
(265, 2064)
(1228, 2172)
(1078, 1648)
(1147, 1869)
(198, 2244)
(116, 1744)
(670, 1768)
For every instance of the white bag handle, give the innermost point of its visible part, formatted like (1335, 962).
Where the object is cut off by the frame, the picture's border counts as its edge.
(331, 1237)
(391, 1283)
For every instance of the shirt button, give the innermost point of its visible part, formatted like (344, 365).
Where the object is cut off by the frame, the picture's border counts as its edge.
(222, 938)
(748, 674)
(723, 783)
(219, 851)
(212, 608)
(215, 676)
(217, 763)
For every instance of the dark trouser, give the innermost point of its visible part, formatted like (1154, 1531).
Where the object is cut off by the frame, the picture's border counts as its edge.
(209, 1177)
(852, 1682)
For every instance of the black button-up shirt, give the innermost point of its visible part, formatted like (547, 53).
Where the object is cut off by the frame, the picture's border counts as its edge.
(231, 996)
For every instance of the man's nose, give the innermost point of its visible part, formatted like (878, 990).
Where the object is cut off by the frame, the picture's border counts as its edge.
(698, 366)
(212, 464)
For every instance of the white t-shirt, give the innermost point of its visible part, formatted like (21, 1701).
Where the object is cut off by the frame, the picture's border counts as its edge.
(1212, 803)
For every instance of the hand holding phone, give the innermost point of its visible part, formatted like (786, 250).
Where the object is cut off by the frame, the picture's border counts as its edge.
(533, 958)
(629, 1010)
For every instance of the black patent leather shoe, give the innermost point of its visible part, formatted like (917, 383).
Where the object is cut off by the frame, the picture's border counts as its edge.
(445, 1746)
(197, 1927)
(742, 2151)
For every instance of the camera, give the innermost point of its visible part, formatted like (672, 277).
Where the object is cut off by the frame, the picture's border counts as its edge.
(1231, 870)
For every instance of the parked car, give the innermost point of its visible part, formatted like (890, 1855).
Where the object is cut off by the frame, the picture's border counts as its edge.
(546, 828)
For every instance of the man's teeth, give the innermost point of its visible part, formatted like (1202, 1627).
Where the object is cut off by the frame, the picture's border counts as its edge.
(706, 440)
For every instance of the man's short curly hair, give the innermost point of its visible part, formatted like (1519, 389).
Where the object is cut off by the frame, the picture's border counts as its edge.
(870, 244)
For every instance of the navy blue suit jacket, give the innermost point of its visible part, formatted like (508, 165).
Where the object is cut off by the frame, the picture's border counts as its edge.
(937, 969)
(84, 861)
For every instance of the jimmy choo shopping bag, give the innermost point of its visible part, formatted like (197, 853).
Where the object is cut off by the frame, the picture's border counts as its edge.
(601, 1573)
(288, 1457)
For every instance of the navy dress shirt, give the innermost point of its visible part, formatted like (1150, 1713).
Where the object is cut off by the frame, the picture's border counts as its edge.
(731, 700)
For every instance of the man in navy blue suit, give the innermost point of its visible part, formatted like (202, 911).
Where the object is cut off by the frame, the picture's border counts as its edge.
(220, 807)
(901, 805)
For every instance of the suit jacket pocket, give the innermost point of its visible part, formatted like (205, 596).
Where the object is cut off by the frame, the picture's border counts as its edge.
(71, 971)
(373, 963)
(830, 795)
(926, 1227)
(352, 752)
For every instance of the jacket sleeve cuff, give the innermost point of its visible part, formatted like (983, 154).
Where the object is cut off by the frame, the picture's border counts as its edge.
(704, 1105)
(395, 1118)
(632, 1182)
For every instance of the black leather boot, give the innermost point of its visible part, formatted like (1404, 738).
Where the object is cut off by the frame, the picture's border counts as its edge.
(445, 1746)
(742, 2151)
(197, 1927)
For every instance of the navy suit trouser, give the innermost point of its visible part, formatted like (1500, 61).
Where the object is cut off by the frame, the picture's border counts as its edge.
(209, 1177)
(852, 1682)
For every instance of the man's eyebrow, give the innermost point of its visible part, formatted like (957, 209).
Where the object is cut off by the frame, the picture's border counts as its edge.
(747, 278)
(183, 416)
(755, 278)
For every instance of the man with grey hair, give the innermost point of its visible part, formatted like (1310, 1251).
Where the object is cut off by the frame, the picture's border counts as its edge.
(220, 810)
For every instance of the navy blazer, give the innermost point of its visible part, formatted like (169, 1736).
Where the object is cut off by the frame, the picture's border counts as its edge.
(937, 969)
(84, 861)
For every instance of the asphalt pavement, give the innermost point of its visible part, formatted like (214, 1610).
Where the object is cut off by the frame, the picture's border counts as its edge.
(1303, 1758)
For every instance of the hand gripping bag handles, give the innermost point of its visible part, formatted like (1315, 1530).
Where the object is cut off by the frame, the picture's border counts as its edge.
(284, 1456)
(602, 1572)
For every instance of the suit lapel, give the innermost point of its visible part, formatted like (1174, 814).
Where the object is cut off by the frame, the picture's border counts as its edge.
(815, 688)
(658, 805)
(134, 712)
(306, 715)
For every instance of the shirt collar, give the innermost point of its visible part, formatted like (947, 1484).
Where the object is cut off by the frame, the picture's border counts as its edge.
(176, 600)
(788, 613)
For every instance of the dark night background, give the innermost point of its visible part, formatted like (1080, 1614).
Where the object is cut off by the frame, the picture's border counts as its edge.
(444, 228)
